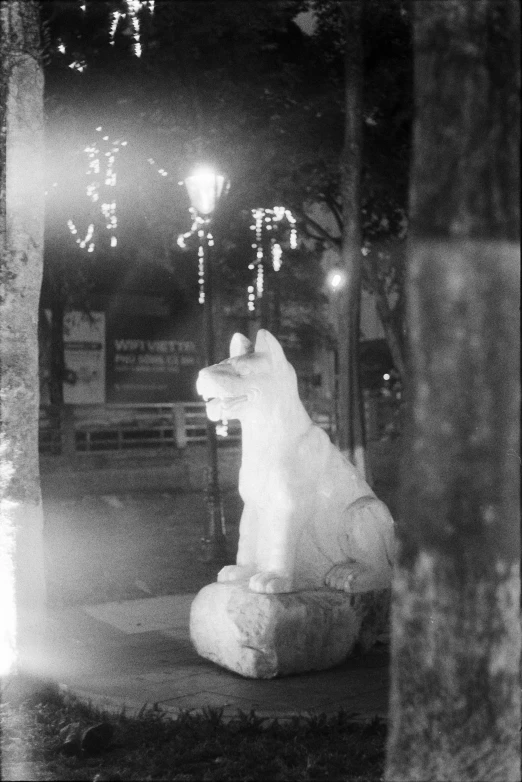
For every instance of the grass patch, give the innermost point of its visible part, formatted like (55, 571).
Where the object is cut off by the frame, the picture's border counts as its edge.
(44, 737)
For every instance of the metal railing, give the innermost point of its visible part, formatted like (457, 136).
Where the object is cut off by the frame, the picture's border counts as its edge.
(74, 429)
(117, 427)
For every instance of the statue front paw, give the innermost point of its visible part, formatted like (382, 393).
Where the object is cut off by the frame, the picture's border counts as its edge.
(235, 573)
(354, 577)
(270, 583)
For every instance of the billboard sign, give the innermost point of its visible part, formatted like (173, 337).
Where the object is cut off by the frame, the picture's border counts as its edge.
(84, 350)
(150, 360)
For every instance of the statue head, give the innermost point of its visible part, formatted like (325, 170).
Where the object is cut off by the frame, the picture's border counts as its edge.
(254, 380)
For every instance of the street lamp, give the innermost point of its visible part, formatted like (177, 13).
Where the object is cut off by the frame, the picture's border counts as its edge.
(204, 188)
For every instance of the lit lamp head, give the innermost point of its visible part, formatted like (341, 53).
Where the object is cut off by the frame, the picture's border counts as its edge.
(204, 187)
(336, 279)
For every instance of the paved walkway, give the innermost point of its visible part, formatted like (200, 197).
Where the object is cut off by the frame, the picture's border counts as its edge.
(138, 652)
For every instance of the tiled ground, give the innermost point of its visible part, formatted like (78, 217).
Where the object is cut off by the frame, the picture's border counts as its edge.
(122, 571)
(136, 665)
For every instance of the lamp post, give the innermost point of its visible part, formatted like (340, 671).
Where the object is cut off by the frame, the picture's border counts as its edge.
(336, 279)
(204, 188)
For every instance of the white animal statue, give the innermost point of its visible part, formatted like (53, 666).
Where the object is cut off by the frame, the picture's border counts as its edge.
(309, 519)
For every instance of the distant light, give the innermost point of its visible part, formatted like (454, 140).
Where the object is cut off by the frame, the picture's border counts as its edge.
(386, 376)
(336, 279)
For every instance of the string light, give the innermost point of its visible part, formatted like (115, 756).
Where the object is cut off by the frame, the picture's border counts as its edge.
(101, 172)
(198, 228)
(100, 169)
(266, 220)
(277, 252)
(161, 171)
(78, 65)
(132, 15)
(201, 274)
(260, 280)
(293, 232)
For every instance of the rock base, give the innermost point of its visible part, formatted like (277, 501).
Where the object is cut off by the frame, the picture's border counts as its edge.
(262, 636)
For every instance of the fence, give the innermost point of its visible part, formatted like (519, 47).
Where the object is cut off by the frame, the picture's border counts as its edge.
(74, 429)
(117, 427)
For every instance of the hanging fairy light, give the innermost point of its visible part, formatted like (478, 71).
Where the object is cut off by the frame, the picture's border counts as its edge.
(277, 252)
(265, 220)
(78, 65)
(251, 298)
(161, 171)
(293, 232)
(133, 19)
(201, 274)
(198, 228)
(260, 280)
(101, 171)
(102, 174)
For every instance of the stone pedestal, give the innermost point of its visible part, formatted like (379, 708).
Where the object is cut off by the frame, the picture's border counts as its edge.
(265, 635)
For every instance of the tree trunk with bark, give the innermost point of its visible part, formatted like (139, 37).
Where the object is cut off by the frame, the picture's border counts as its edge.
(455, 694)
(22, 582)
(350, 407)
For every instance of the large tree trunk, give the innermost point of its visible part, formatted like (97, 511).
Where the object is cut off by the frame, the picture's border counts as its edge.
(22, 583)
(350, 408)
(455, 697)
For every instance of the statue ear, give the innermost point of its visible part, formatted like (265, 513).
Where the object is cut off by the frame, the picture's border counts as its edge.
(266, 343)
(240, 345)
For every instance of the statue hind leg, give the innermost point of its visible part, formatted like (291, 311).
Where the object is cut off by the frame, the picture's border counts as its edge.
(367, 541)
